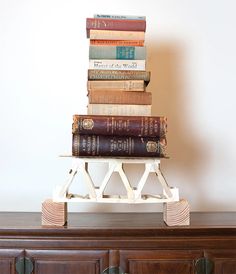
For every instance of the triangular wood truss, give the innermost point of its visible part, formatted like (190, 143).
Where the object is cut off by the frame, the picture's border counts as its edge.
(134, 194)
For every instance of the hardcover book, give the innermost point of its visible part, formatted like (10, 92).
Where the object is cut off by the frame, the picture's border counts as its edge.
(142, 126)
(125, 43)
(118, 146)
(116, 35)
(117, 64)
(115, 24)
(96, 74)
(119, 16)
(119, 109)
(117, 52)
(116, 85)
(119, 97)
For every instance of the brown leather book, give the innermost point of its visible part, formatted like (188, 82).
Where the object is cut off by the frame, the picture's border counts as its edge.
(118, 146)
(138, 126)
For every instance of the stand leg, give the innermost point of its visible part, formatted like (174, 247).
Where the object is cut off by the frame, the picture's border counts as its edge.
(176, 213)
(54, 214)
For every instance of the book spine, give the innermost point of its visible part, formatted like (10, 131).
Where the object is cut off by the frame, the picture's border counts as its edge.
(118, 24)
(125, 43)
(116, 85)
(110, 64)
(117, 16)
(120, 97)
(142, 126)
(115, 35)
(96, 74)
(119, 109)
(117, 52)
(118, 146)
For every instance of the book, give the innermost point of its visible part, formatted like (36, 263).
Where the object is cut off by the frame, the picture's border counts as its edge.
(112, 64)
(119, 109)
(118, 16)
(116, 85)
(117, 52)
(134, 43)
(142, 126)
(97, 74)
(117, 146)
(115, 35)
(115, 24)
(119, 97)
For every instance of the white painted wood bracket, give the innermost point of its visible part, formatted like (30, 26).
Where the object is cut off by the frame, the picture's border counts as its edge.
(115, 165)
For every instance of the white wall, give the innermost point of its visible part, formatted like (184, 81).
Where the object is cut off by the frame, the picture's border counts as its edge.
(43, 69)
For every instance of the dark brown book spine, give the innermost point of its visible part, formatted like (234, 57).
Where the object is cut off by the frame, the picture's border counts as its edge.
(142, 126)
(119, 97)
(99, 74)
(118, 146)
(115, 24)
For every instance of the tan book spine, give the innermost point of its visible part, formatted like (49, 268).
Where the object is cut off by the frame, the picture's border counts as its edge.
(119, 109)
(117, 85)
(116, 35)
(120, 97)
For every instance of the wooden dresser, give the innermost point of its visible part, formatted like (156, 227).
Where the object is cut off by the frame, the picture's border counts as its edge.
(116, 243)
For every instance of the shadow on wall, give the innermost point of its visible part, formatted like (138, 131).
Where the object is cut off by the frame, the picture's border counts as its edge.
(186, 151)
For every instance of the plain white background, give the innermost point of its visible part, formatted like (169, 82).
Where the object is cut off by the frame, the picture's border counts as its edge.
(43, 72)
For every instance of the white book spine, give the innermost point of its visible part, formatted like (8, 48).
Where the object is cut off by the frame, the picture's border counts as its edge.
(117, 64)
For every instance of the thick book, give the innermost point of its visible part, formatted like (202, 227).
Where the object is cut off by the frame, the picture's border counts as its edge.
(119, 109)
(117, 52)
(118, 146)
(124, 43)
(119, 97)
(115, 24)
(119, 16)
(116, 85)
(116, 35)
(96, 74)
(111, 64)
(142, 126)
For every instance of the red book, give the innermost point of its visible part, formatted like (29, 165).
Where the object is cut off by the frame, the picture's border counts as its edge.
(115, 24)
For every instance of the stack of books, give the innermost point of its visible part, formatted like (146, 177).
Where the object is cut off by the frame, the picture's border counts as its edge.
(118, 122)
(117, 76)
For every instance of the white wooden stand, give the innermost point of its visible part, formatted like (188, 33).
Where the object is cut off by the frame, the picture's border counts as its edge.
(134, 194)
(175, 211)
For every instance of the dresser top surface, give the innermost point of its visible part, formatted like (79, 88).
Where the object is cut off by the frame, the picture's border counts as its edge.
(115, 224)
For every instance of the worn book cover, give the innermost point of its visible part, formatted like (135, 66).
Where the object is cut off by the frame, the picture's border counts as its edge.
(118, 146)
(95, 74)
(119, 97)
(146, 126)
(116, 85)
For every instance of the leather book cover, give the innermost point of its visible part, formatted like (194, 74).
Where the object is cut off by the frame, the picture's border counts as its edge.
(142, 126)
(118, 146)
